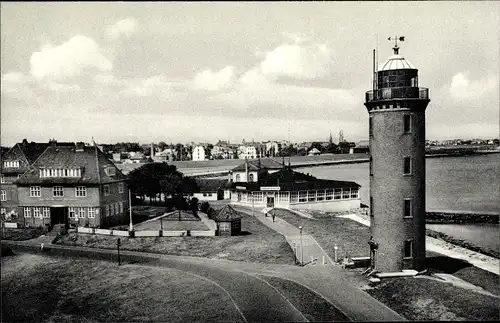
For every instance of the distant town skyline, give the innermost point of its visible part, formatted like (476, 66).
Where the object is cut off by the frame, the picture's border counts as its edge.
(182, 72)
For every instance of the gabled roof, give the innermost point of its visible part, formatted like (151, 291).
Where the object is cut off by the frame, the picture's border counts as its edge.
(267, 163)
(91, 160)
(210, 184)
(26, 153)
(226, 214)
(363, 144)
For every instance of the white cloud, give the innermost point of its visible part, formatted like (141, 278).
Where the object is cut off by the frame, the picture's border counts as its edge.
(462, 88)
(126, 28)
(300, 61)
(69, 59)
(213, 81)
(59, 87)
(158, 86)
(14, 77)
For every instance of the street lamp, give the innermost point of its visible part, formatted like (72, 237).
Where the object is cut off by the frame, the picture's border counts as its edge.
(301, 248)
(118, 242)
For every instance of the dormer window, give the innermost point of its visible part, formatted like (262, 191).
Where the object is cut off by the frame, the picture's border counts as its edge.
(11, 164)
(110, 171)
(60, 172)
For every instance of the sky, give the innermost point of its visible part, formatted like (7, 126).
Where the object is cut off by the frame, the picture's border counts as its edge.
(201, 71)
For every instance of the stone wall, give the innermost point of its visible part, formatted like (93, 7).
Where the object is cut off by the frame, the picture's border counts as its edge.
(460, 217)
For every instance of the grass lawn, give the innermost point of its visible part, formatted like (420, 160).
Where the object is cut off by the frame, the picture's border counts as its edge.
(314, 307)
(424, 299)
(257, 243)
(171, 225)
(21, 234)
(350, 236)
(48, 289)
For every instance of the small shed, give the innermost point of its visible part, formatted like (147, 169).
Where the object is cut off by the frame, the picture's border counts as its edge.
(228, 222)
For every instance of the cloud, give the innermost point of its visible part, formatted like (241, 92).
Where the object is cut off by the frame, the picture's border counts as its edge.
(300, 61)
(213, 81)
(123, 28)
(69, 59)
(462, 88)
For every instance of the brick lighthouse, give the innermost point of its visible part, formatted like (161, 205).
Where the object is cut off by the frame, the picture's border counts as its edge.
(396, 108)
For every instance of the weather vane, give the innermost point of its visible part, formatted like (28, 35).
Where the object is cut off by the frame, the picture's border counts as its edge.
(396, 38)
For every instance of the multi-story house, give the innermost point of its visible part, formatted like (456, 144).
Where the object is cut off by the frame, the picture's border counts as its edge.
(74, 184)
(13, 164)
(199, 153)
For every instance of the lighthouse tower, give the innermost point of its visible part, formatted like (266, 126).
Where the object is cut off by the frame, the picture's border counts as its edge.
(396, 108)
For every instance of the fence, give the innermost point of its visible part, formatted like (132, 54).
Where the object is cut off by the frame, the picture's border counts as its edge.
(148, 233)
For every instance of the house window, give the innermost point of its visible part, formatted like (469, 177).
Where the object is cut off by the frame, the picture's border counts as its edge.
(209, 194)
(238, 177)
(224, 226)
(110, 171)
(346, 193)
(120, 187)
(329, 194)
(408, 249)
(3, 195)
(408, 212)
(107, 210)
(121, 207)
(204, 194)
(311, 196)
(11, 164)
(35, 191)
(27, 212)
(407, 123)
(3, 211)
(36, 212)
(371, 206)
(72, 212)
(407, 166)
(57, 191)
(46, 212)
(2, 179)
(354, 193)
(320, 196)
(338, 193)
(302, 196)
(81, 191)
(81, 213)
(91, 213)
(106, 190)
(250, 178)
(115, 208)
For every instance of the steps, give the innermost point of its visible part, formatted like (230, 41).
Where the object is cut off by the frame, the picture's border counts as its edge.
(56, 229)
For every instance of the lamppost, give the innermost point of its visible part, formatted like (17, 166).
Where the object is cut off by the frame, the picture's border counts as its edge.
(118, 242)
(301, 248)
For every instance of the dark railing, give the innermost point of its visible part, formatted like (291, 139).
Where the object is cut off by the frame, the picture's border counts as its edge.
(398, 93)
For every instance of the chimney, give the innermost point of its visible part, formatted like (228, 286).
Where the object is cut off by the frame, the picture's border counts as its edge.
(80, 146)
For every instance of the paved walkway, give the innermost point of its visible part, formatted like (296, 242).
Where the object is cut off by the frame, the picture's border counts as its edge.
(306, 248)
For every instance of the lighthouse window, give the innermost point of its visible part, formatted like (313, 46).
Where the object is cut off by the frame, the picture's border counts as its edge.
(407, 123)
(408, 248)
(408, 208)
(407, 166)
(371, 166)
(370, 126)
(371, 206)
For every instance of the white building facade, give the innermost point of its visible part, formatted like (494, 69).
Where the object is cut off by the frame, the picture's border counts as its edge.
(199, 153)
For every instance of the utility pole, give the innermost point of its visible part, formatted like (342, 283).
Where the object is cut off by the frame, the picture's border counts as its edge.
(301, 248)
(130, 210)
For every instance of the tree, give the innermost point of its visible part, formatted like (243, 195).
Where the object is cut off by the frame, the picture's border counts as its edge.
(162, 145)
(332, 148)
(193, 204)
(288, 151)
(170, 185)
(318, 146)
(344, 146)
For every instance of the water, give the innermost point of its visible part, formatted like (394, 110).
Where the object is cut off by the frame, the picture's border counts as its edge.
(482, 235)
(452, 183)
(469, 183)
